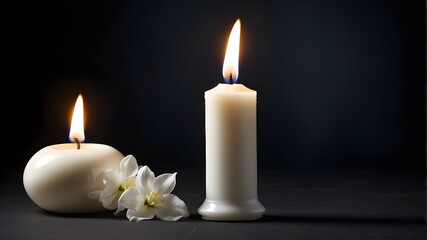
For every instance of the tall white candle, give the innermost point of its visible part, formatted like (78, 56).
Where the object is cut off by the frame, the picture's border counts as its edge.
(59, 177)
(231, 145)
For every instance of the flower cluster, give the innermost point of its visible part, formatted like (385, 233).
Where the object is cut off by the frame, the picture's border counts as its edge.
(138, 190)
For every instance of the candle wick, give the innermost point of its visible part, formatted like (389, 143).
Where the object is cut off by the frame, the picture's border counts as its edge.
(78, 142)
(230, 79)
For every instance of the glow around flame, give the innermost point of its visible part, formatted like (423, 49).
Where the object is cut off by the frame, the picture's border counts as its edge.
(77, 122)
(230, 68)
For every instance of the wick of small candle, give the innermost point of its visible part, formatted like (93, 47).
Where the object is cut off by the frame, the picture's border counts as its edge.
(230, 79)
(78, 142)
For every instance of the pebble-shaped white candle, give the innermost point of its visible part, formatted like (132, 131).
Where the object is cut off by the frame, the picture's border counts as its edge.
(59, 177)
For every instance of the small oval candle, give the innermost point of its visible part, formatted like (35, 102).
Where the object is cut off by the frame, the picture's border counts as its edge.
(59, 177)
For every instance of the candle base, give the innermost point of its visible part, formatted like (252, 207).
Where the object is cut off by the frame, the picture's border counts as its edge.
(231, 210)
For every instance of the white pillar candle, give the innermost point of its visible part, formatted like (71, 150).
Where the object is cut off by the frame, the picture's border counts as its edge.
(231, 145)
(59, 177)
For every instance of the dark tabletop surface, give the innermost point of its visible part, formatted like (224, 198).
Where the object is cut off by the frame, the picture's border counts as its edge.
(300, 205)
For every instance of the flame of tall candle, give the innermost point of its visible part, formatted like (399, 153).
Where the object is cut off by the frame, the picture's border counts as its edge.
(77, 122)
(230, 68)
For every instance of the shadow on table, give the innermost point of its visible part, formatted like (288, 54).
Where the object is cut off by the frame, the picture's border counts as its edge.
(320, 219)
(100, 215)
(264, 219)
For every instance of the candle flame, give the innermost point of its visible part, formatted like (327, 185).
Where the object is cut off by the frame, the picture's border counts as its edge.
(77, 122)
(230, 68)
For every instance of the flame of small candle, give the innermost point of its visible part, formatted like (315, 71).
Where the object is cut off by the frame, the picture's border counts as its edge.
(77, 122)
(230, 68)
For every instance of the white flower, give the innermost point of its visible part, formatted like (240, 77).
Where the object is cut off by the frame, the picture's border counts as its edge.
(152, 197)
(116, 182)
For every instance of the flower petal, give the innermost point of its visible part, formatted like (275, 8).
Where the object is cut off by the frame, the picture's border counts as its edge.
(109, 197)
(128, 166)
(144, 180)
(172, 209)
(143, 214)
(111, 178)
(129, 198)
(165, 183)
(120, 208)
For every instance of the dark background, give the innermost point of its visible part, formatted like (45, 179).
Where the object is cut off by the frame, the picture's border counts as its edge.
(341, 84)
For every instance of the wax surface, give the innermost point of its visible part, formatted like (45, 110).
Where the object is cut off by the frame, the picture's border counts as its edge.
(58, 178)
(231, 154)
